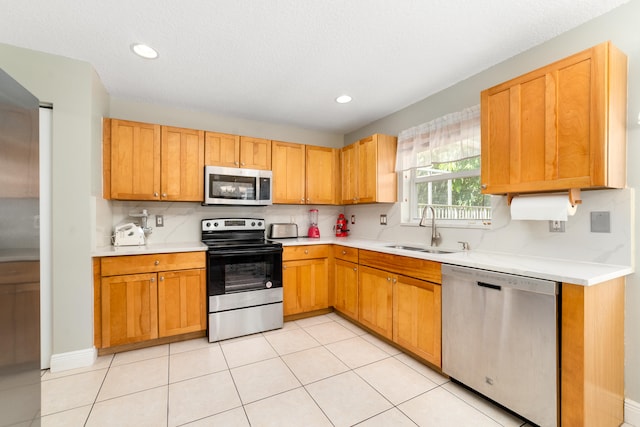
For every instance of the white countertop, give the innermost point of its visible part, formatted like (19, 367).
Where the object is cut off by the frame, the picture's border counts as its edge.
(152, 248)
(559, 270)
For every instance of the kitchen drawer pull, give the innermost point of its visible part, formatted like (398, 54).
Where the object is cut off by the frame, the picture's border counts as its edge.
(306, 251)
(161, 278)
(155, 194)
(344, 252)
(388, 279)
(490, 286)
(284, 267)
(355, 268)
(153, 279)
(164, 195)
(156, 262)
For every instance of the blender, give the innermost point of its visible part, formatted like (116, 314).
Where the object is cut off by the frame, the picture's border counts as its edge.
(314, 231)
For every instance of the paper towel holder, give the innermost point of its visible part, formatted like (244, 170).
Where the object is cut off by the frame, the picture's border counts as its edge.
(574, 197)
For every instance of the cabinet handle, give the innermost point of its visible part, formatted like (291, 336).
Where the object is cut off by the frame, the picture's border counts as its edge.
(235, 163)
(302, 201)
(284, 267)
(156, 262)
(395, 280)
(483, 186)
(355, 269)
(388, 279)
(155, 194)
(306, 251)
(344, 252)
(241, 163)
(164, 195)
(153, 279)
(161, 278)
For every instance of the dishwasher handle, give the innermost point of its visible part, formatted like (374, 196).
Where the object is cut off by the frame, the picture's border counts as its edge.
(489, 285)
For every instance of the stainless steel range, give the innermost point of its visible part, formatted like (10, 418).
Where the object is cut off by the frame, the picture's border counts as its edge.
(244, 278)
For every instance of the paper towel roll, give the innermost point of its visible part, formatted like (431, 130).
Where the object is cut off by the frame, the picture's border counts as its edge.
(554, 207)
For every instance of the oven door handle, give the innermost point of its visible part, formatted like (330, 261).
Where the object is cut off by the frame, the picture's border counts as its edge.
(234, 252)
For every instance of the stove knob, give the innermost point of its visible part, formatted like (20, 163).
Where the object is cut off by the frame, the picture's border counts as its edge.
(259, 223)
(268, 284)
(215, 224)
(253, 224)
(207, 225)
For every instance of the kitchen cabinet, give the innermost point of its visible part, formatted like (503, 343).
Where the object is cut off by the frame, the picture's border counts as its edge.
(144, 297)
(346, 280)
(417, 314)
(237, 151)
(560, 127)
(400, 298)
(304, 174)
(144, 161)
(368, 170)
(375, 300)
(305, 278)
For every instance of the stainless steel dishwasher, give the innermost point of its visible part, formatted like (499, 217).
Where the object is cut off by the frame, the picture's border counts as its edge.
(500, 338)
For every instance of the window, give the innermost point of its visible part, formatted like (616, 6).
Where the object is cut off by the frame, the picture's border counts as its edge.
(439, 162)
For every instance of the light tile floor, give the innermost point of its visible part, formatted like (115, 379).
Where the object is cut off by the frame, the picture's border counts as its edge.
(320, 371)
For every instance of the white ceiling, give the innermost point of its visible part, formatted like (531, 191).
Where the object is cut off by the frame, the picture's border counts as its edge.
(285, 61)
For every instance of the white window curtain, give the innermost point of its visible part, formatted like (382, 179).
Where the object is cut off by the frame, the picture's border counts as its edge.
(449, 138)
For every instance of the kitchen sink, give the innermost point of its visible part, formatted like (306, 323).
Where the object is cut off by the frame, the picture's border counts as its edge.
(419, 249)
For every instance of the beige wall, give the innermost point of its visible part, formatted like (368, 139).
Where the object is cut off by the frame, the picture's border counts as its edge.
(78, 99)
(621, 27)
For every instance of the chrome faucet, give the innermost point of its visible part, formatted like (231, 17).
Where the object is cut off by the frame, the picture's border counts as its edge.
(435, 236)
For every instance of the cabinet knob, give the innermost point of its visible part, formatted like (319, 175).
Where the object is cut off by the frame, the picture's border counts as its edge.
(355, 268)
(344, 252)
(161, 278)
(284, 267)
(155, 194)
(235, 163)
(388, 279)
(156, 262)
(306, 251)
(483, 186)
(153, 279)
(302, 201)
(395, 280)
(164, 195)
(241, 163)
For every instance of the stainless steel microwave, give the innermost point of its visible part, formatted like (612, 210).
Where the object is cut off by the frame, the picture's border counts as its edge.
(237, 186)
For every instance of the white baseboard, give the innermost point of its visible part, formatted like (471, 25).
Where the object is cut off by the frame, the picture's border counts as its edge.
(73, 359)
(632, 412)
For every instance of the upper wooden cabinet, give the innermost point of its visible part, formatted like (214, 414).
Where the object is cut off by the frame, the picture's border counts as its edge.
(237, 151)
(304, 174)
(560, 127)
(368, 170)
(144, 161)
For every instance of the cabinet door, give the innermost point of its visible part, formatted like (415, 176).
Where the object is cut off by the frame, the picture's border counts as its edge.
(305, 285)
(181, 302)
(349, 174)
(288, 166)
(129, 309)
(323, 175)
(346, 288)
(182, 164)
(222, 149)
(255, 153)
(135, 161)
(375, 300)
(417, 318)
(367, 170)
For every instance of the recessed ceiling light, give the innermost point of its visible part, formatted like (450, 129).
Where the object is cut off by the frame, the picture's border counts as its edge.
(343, 99)
(144, 51)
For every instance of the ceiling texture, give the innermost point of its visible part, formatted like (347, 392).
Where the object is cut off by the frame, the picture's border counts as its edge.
(285, 61)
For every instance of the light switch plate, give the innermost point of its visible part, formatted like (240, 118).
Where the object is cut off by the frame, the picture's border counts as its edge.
(383, 219)
(601, 222)
(159, 220)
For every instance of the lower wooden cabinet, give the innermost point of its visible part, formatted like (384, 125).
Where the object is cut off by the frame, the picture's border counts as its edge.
(305, 279)
(417, 318)
(144, 297)
(375, 300)
(346, 288)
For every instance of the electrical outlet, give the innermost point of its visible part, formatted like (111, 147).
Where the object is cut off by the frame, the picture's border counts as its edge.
(159, 220)
(556, 226)
(383, 219)
(353, 219)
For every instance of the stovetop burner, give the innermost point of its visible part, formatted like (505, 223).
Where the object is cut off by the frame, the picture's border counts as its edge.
(237, 233)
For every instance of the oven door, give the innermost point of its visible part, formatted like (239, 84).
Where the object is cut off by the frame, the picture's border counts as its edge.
(240, 270)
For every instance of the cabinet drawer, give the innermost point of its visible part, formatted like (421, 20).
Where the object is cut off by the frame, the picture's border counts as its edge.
(305, 252)
(132, 264)
(346, 253)
(413, 267)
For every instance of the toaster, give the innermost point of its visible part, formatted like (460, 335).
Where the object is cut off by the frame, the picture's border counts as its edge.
(282, 231)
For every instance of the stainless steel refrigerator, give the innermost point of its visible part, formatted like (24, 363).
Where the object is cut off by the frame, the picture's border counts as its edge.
(19, 256)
